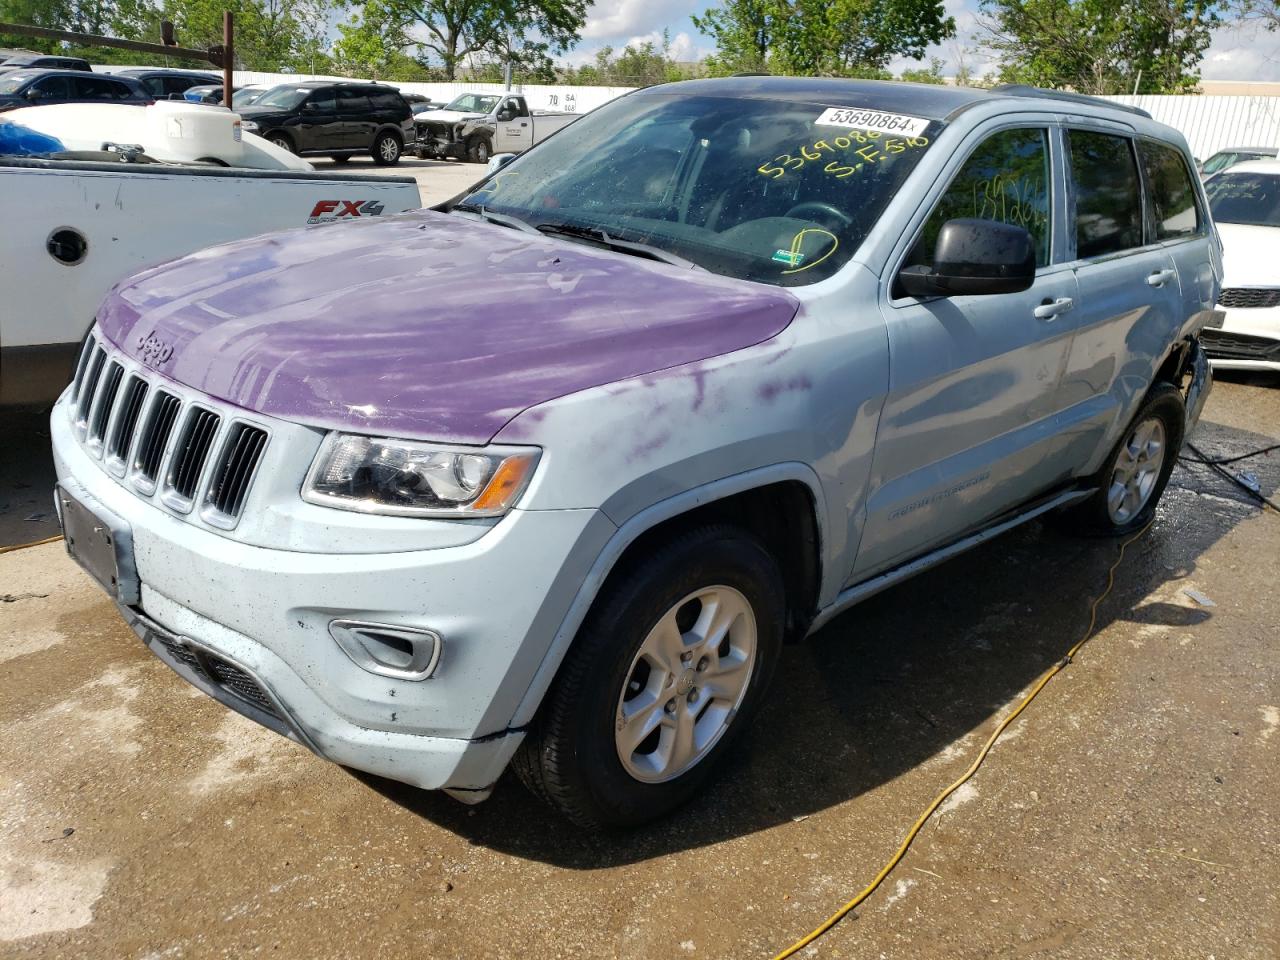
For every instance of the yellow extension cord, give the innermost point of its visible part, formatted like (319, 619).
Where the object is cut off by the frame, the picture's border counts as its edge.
(33, 543)
(929, 811)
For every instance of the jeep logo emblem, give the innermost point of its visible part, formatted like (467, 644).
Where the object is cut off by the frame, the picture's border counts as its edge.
(153, 351)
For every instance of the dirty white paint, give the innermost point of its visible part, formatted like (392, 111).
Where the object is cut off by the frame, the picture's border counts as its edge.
(963, 795)
(46, 896)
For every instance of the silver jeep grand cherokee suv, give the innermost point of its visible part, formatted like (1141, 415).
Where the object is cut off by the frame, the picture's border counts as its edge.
(549, 473)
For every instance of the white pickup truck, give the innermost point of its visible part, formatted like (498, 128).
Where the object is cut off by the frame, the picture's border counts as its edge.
(476, 126)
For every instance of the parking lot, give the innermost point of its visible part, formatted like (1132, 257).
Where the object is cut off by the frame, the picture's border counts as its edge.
(1130, 812)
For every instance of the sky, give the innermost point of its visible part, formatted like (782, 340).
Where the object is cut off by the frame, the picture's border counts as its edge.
(1236, 54)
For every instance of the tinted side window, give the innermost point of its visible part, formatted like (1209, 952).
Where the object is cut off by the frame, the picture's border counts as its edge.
(1108, 198)
(1005, 179)
(352, 101)
(53, 87)
(323, 101)
(1173, 198)
(388, 101)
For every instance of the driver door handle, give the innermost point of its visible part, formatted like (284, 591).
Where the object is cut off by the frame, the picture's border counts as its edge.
(1160, 278)
(1052, 308)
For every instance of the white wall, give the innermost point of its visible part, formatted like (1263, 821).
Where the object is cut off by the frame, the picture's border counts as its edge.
(1211, 123)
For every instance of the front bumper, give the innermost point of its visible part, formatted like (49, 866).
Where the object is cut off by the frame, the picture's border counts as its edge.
(1249, 339)
(497, 602)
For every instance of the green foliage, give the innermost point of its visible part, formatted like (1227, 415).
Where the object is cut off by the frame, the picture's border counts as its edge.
(1102, 46)
(931, 74)
(449, 32)
(821, 37)
(636, 65)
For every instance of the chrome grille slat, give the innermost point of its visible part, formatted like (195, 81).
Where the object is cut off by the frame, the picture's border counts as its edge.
(234, 472)
(89, 388)
(135, 396)
(106, 402)
(192, 452)
(82, 364)
(155, 436)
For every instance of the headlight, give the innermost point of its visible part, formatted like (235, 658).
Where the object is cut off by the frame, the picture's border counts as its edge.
(406, 478)
(249, 125)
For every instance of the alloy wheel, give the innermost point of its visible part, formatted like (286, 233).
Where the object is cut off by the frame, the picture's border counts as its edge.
(1137, 471)
(685, 684)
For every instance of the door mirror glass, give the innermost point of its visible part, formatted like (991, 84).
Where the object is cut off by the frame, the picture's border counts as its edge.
(973, 257)
(507, 112)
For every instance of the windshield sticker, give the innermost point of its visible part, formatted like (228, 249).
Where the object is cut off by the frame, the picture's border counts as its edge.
(796, 257)
(873, 120)
(853, 151)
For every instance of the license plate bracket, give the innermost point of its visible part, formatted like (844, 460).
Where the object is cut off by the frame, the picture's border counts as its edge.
(101, 543)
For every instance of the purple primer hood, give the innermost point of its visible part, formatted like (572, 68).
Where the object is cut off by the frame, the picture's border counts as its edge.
(425, 326)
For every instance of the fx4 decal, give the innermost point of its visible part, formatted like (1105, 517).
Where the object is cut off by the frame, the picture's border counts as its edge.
(326, 211)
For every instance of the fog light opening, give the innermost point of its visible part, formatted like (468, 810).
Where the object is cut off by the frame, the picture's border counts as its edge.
(404, 653)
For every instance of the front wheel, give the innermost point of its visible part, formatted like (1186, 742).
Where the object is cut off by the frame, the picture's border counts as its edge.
(386, 150)
(281, 141)
(667, 670)
(480, 149)
(1134, 477)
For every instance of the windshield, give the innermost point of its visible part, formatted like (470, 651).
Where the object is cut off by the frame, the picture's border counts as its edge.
(245, 98)
(472, 103)
(285, 98)
(1250, 198)
(765, 190)
(13, 81)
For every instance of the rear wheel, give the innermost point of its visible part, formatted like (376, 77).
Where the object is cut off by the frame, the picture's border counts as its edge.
(386, 150)
(667, 670)
(1133, 479)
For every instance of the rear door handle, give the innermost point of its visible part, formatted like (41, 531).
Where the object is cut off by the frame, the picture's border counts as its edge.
(1051, 308)
(1160, 278)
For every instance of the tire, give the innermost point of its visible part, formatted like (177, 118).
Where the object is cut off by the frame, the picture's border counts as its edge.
(386, 150)
(341, 159)
(578, 755)
(282, 141)
(479, 149)
(1134, 476)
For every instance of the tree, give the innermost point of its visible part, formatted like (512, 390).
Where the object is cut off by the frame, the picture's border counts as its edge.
(1101, 46)
(449, 31)
(823, 37)
(931, 74)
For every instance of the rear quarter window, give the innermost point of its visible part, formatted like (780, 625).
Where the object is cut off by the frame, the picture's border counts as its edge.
(1173, 198)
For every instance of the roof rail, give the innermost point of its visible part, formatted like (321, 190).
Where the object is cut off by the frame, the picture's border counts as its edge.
(1023, 90)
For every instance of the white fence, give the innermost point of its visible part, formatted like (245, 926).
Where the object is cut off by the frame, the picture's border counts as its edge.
(1212, 123)
(1208, 123)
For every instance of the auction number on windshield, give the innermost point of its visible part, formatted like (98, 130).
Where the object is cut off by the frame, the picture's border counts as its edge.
(873, 120)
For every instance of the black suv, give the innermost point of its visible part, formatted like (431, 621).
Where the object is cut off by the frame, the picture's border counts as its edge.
(169, 84)
(30, 88)
(338, 120)
(40, 61)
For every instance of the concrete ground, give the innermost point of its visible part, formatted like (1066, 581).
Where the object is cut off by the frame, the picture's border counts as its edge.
(1131, 812)
(438, 180)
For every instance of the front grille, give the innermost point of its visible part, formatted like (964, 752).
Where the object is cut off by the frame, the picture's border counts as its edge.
(135, 395)
(89, 386)
(1250, 297)
(1239, 346)
(162, 443)
(106, 402)
(235, 469)
(191, 451)
(155, 436)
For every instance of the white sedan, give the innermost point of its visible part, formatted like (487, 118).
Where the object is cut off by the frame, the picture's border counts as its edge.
(1245, 203)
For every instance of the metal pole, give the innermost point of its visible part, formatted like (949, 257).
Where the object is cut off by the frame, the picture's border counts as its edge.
(228, 57)
(165, 50)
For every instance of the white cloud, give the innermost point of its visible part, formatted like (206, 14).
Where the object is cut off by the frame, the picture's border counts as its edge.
(683, 47)
(610, 19)
(1242, 53)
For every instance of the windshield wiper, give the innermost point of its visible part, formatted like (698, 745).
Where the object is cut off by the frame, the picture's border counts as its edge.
(501, 219)
(598, 235)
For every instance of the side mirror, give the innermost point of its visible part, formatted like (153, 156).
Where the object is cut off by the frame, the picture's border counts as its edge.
(507, 112)
(309, 107)
(34, 95)
(974, 257)
(498, 161)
